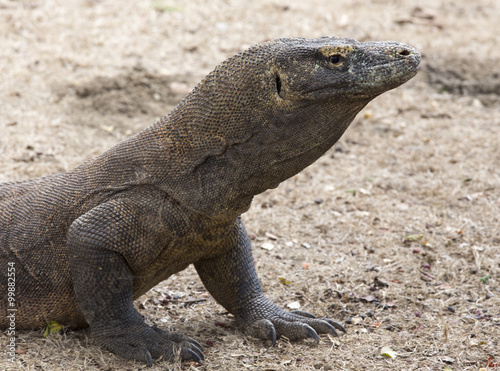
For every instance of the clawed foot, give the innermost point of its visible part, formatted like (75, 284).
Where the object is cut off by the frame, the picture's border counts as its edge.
(294, 325)
(145, 343)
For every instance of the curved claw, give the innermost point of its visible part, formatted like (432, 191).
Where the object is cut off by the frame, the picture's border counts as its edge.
(312, 333)
(198, 352)
(196, 344)
(263, 329)
(148, 359)
(272, 335)
(337, 325)
(332, 329)
(193, 355)
(303, 313)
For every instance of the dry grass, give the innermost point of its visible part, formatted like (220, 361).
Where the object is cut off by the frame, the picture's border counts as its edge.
(401, 217)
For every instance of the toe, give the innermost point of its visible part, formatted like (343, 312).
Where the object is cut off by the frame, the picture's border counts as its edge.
(262, 329)
(190, 355)
(311, 333)
(195, 343)
(337, 325)
(303, 313)
(296, 330)
(197, 351)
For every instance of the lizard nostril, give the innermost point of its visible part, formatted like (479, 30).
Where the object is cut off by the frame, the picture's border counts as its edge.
(404, 52)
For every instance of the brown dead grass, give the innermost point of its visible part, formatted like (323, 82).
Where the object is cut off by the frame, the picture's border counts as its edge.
(401, 217)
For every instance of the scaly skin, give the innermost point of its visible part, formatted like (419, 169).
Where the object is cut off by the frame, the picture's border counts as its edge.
(86, 243)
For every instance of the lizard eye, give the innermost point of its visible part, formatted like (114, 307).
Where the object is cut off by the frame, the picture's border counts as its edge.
(335, 59)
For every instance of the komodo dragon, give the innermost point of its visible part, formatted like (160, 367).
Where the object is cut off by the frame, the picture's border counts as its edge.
(84, 244)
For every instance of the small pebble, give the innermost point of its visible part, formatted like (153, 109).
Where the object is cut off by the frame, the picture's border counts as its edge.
(418, 314)
(348, 321)
(318, 201)
(363, 316)
(451, 309)
(426, 266)
(369, 314)
(416, 251)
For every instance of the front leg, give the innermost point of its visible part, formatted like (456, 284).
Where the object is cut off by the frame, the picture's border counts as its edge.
(105, 247)
(232, 280)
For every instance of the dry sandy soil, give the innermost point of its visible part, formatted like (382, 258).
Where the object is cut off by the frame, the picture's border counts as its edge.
(394, 232)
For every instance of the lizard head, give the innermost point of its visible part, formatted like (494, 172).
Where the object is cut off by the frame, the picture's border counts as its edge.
(316, 88)
(267, 113)
(339, 68)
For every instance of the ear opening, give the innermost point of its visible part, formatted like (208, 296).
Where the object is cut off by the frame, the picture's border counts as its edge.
(278, 85)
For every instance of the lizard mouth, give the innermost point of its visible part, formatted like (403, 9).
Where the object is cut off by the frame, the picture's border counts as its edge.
(388, 75)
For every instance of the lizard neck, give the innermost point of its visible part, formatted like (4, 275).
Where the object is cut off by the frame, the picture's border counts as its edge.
(218, 176)
(191, 170)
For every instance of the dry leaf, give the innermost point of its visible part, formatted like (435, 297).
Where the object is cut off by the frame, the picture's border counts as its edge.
(388, 352)
(284, 281)
(52, 328)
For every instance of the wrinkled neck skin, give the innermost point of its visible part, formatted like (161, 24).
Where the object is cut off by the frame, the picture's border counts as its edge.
(218, 176)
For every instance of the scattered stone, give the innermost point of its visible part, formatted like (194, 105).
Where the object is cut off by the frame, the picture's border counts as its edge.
(271, 236)
(293, 305)
(448, 360)
(267, 246)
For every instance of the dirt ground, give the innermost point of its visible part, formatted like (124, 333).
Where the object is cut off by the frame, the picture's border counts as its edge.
(394, 232)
